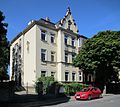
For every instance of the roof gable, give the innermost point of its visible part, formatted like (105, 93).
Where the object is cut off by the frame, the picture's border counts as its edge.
(68, 22)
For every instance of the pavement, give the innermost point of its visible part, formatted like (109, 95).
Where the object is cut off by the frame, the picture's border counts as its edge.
(21, 99)
(32, 100)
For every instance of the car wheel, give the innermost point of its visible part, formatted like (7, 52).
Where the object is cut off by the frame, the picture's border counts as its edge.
(89, 97)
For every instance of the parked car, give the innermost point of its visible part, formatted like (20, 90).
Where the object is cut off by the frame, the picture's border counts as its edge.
(88, 93)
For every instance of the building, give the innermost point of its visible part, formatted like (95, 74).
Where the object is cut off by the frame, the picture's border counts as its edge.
(46, 49)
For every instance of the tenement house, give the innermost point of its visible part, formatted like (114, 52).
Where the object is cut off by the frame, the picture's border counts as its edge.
(45, 48)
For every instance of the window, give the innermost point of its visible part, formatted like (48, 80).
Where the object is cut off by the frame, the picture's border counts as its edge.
(66, 76)
(73, 76)
(43, 35)
(80, 75)
(69, 24)
(53, 74)
(73, 57)
(43, 73)
(73, 42)
(43, 54)
(52, 38)
(90, 78)
(66, 57)
(52, 56)
(65, 39)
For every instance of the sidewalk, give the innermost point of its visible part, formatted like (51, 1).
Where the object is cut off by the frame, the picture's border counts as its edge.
(32, 100)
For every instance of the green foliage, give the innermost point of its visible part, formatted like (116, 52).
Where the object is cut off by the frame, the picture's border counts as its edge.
(72, 88)
(100, 55)
(4, 49)
(47, 81)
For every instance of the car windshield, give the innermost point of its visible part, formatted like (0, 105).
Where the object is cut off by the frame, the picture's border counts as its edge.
(85, 89)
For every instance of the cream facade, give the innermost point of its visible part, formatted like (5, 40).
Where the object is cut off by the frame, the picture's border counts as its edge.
(46, 49)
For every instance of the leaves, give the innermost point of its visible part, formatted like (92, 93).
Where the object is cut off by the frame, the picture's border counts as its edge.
(100, 53)
(4, 49)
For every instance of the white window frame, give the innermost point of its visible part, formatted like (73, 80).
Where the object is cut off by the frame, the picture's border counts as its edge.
(52, 55)
(66, 56)
(73, 42)
(74, 74)
(43, 51)
(66, 40)
(80, 76)
(52, 36)
(67, 74)
(52, 74)
(44, 73)
(43, 33)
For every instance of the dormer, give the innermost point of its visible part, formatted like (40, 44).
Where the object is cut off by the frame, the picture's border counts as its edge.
(68, 22)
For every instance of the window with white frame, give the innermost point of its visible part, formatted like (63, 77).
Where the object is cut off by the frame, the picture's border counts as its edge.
(73, 42)
(73, 56)
(52, 38)
(66, 76)
(43, 54)
(43, 73)
(66, 57)
(80, 75)
(43, 35)
(52, 74)
(73, 76)
(66, 39)
(53, 56)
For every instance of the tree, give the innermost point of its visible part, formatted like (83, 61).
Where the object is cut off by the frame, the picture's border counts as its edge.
(4, 49)
(100, 56)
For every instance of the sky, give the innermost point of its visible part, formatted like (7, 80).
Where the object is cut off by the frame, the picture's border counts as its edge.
(91, 16)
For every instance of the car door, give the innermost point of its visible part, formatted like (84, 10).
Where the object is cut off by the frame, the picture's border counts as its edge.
(98, 92)
(94, 92)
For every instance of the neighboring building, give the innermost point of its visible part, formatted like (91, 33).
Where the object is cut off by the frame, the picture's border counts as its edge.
(46, 49)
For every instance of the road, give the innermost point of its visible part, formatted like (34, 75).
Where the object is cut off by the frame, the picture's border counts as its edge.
(106, 101)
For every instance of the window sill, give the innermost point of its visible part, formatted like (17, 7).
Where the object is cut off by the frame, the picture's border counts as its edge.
(44, 41)
(43, 63)
(70, 46)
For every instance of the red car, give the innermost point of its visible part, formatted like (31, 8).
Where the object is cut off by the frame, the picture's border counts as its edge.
(88, 93)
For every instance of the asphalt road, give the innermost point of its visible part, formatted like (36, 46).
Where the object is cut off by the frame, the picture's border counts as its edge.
(106, 101)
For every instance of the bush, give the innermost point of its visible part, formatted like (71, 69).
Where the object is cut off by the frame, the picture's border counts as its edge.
(72, 88)
(43, 84)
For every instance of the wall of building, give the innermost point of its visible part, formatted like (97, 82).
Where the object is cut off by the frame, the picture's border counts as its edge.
(47, 66)
(30, 57)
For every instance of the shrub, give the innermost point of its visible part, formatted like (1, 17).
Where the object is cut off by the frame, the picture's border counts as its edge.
(44, 83)
(72, 88)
